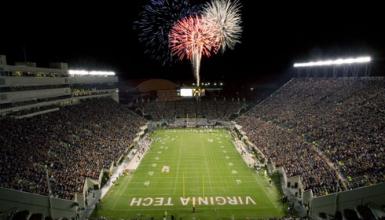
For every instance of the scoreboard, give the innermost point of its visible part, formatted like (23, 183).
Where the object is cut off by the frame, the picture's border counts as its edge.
(191, 92)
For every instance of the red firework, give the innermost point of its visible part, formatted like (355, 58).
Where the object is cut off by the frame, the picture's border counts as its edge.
(192, 36)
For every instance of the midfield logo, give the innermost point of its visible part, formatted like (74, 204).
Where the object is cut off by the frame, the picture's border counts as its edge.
(190, 201)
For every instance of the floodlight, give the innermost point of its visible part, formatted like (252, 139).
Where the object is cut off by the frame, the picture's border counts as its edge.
(336, 62)
(90, 73)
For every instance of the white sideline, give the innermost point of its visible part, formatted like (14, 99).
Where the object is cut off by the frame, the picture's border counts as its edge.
(245, 154)
(131, 162)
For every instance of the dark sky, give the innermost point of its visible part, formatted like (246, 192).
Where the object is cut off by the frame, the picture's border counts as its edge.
(100, 36)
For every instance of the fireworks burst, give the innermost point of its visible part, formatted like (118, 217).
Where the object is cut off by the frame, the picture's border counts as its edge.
(175, 28)
(155, 23)
(191, 38)
(226, 16)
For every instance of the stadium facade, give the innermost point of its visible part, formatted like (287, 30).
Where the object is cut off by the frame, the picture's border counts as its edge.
(28, 90)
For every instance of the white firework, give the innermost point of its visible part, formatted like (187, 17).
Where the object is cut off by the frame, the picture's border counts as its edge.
(227, 17)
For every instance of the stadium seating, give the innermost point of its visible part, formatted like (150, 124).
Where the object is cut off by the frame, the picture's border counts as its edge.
(74, 143)
(290, 151)
(342, 117)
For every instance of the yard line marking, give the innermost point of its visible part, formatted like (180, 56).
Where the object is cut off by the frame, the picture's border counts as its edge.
(177, 167)
(206, 164)
(183, 186)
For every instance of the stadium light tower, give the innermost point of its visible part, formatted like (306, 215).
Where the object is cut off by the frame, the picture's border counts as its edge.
(336, 62)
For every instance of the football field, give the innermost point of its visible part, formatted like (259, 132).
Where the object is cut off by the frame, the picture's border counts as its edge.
(187, 168)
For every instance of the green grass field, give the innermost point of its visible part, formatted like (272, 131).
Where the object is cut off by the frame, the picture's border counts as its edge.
(192, 166)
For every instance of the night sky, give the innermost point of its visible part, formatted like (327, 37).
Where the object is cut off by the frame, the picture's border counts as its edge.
(100, 36)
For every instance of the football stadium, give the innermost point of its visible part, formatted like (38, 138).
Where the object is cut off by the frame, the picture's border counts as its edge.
(191, 110)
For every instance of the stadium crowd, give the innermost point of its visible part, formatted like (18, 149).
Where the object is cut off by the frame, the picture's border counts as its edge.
(342, 117)
(73, 143)
(290, 151)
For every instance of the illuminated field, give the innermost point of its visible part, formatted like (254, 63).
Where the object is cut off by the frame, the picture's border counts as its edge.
(187, 166)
